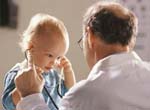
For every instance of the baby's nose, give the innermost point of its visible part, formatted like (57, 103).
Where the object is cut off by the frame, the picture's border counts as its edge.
(54, 62)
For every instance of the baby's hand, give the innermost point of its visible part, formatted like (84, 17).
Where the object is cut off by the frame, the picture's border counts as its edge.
(65, 64)
(69, 78)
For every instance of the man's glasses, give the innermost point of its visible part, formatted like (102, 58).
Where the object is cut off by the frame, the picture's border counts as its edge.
(80, 43)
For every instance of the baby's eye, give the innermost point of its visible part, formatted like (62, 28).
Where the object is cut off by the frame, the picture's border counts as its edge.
(58, 58)
(49, 55)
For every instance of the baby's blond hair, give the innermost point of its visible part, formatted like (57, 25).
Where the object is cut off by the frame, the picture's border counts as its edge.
(43, 24)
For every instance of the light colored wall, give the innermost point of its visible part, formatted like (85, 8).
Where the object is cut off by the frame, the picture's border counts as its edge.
(9, 53)
(69, 11)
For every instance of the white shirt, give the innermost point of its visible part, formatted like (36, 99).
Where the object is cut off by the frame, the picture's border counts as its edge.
(117, 82)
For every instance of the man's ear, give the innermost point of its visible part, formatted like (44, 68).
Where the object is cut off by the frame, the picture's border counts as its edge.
(90, 37)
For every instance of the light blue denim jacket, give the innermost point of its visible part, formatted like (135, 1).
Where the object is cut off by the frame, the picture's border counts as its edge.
(51, 84)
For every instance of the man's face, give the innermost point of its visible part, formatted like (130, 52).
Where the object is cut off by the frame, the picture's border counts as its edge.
(88, 50)
(47, 50)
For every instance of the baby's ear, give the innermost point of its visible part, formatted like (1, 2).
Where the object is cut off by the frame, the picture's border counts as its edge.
(30, 54)
(30, 46)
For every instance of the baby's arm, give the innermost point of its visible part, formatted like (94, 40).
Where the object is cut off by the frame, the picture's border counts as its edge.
(10, 95)
(69, 77)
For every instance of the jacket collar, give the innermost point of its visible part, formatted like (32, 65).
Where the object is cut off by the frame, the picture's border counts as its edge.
(113, 60)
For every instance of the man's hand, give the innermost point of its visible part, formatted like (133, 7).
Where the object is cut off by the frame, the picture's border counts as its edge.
(29, 80)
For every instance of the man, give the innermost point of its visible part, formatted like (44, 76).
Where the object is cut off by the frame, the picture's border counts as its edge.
(119, 79)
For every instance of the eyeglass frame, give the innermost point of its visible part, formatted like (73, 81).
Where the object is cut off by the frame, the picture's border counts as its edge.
(79, 43)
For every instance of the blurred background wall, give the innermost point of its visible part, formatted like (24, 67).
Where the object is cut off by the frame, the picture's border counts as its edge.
(70, 12)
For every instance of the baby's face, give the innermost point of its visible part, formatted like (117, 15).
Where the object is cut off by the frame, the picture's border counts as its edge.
(47, 50)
